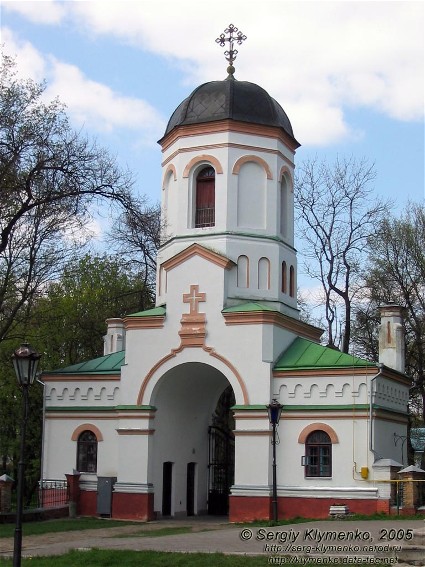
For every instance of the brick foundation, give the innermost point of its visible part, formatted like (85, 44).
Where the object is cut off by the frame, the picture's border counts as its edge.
(132, 506)
(87, 504)
(245, 508)
(248, 509)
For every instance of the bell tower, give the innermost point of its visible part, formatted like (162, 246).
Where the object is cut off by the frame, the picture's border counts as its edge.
(227, 185)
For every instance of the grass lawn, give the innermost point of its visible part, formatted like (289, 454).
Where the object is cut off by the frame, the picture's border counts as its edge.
(63, 525)
(108, 558)
(79, 524)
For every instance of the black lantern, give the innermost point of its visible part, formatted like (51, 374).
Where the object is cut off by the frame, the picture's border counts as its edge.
(25, 361)
(274, 409)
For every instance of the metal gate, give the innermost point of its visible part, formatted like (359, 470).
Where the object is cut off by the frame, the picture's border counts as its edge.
(221, 469)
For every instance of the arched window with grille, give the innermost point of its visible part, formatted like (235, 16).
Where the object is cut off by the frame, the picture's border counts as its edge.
(205, 198)
(318, 454)
(87, 452)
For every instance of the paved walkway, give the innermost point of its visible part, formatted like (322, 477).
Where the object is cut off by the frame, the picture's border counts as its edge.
(209, 534)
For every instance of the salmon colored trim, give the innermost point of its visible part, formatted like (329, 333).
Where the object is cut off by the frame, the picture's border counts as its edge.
(317, 426)
(229, 126)
(170, 169)
(203, 157)
(154, 322)
(238, 377)
(86, 427)
(174, 353)
(285, 170)
(307, 415)
(244, 147)
(246, 159)
(273, 318)
(197, 250)
(394, 418)
(87, 415)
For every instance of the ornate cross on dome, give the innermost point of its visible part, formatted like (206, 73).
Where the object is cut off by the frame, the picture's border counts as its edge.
(234, 36)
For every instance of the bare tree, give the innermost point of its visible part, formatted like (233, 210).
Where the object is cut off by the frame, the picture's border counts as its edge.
(136, 235)
(337, 215)
(51, 180)
(44, 162)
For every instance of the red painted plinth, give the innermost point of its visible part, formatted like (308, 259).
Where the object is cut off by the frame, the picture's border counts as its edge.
(87, 504)
(319, 507)
(248, 508)
(132, 506)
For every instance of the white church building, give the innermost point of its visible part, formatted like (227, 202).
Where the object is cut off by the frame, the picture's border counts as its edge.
(172, 420)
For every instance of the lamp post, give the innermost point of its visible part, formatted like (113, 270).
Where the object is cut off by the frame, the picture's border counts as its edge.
(274, 409)
(25, 360)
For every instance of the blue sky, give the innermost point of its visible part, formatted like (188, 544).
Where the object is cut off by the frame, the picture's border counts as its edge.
(350, 75)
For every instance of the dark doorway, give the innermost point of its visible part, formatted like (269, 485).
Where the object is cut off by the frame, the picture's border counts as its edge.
(221, 458)
(167, 475)
(190, 490)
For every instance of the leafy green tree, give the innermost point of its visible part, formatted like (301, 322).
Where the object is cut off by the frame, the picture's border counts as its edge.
(66, 325)
(396, 274)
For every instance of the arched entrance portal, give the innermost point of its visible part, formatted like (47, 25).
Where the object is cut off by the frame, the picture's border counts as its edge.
(221, 459)
(189, 465)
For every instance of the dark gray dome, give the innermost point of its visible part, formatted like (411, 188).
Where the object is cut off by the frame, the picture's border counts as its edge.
(237, 100)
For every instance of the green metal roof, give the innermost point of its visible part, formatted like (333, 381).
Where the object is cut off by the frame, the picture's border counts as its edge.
(304, 354)
(155, 312)
(108, 364)
(249, 307)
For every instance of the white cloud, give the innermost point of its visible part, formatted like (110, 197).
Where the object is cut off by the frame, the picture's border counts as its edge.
(96, 105)
(315, 58)
(318, 59)
(88, 103)
(30, 63)
(37, 11)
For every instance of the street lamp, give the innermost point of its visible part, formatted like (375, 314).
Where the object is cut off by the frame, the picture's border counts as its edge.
(274, 409)
(25, 360)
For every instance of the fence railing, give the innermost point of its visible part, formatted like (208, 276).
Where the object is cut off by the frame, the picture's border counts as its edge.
(52, 493)
(49, 493)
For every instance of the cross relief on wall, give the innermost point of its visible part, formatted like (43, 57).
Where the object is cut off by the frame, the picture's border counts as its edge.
(192, 332)
(194, 298)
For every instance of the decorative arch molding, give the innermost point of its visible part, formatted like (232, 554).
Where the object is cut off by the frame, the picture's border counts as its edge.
(87, 427)
(245, 159)
(174, 352)
(170, 170)
(314, 427)
(286, 172)
(203, 158)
